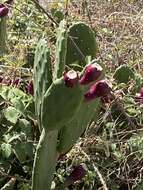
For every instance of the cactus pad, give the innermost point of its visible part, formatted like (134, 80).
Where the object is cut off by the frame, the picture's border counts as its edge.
(60, 104)
(81, 43)
(69, 135)
(42, 74)
(123, 74)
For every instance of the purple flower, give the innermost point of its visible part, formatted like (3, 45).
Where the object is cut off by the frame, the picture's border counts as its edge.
(3, 10)
(99, 89)
(91, 73)
(71, 78)
(77, 174)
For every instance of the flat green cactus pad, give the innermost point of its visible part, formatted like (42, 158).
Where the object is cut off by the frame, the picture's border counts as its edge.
(81, 43)
(60, 104)
(74, 129)
(123, 74)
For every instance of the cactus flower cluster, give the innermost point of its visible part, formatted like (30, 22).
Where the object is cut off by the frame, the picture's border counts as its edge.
(91, 73)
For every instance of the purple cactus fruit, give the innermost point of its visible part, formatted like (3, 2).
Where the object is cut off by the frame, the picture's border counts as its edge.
(30, 88)
(71, 78)
(91, 73)
(77, 174)
(99, 89)
(3, 10)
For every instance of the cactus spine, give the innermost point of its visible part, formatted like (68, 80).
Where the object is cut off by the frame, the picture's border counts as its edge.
(62, 113)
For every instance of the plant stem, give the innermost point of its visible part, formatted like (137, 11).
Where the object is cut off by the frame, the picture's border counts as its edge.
(45, 161)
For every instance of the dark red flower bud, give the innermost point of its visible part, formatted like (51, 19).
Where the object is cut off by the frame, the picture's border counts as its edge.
(77, 174)
(91, 73)
(30, 88)
(3, 10)
(99, 89)
(71, 78)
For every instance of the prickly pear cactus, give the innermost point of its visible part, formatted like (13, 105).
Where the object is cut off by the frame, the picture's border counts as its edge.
(62, 110)
(81, 43)
(42, 74)
(3, 35)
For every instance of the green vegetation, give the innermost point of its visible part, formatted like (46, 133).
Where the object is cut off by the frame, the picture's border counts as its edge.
(71, 96)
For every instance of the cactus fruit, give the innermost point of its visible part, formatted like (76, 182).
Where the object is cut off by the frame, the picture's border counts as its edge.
(66, 107)
(42, 75)
(3, 10)
(99, 89)
(81, 43)
(77, 174)
(91, 73)
(71, 78)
